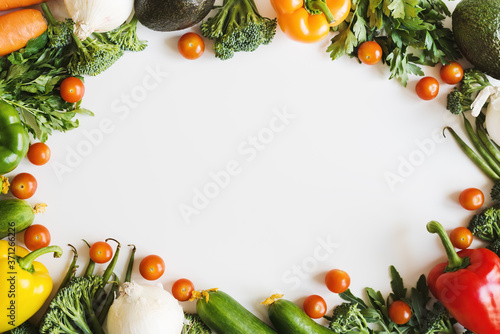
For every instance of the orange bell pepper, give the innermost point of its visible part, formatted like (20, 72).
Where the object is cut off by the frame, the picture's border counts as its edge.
(309, 21)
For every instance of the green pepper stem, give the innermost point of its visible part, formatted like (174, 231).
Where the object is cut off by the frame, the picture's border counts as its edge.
(455, 262)
(321, 5)
(26, 263)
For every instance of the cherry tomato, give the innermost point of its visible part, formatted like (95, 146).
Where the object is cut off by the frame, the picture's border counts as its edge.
(399, 312)
(38, 154)
(72, 89)
(23, 185)
(471, 199)
(461, 237)
(427, 88)
(152, 267)
(182, 289)
(191, 45)
(101, 252)
(337, 280)
(451, 73)
(370, 52)
(36, 236)
(315, 306)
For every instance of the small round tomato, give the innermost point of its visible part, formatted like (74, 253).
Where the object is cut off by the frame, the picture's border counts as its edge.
(191, 45)
(152, 267)
(36, 236)
(452, 73)
(370, 52)
(182, 289)
(72, 89)
(461, 237)
(101, 252)
(337, 281)
(39, 154)
(23, 185)
(399, 312)
(427, 88)
(471, 199)
(315, 306)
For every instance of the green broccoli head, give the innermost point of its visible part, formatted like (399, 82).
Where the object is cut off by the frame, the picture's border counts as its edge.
(455, 102)
(59, 32)
(494, 247)
(462, 96)
(473, 81)
(495, 192)
(438, 321)
(485, 225)
(92, 56)
(348, 318)
(25, 328)
(125, 36)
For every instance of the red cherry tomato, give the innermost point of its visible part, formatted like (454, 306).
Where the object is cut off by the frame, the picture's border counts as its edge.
(72, 89)
(471, 199)
(101, 252)
(152, 267)
(461, 237)
(182, 289)
(315, 306)
(452, 73)
(337, 280)
(399, 312)
(427, 88)
(36, 236)
(191, 45)
(39, 154)
(370, 52)
(23, 185)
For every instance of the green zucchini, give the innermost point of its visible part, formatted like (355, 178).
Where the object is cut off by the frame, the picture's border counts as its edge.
(16, 215)
(288, 318)
(224, 315)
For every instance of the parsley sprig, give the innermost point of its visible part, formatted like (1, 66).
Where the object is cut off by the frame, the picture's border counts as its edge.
(410, 32)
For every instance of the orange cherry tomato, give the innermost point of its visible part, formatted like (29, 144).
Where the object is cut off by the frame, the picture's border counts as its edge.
(182, 289)
(36, 236)
(23, 186)
(461, 237)
(152, 267)
(399, 312)
(38, 154)
(370, 52)
(101, 252)
(452, 73)
(471, 199)
(337, 281)
(427, 88)
(315, 306)
(191, 45)
(72, 89)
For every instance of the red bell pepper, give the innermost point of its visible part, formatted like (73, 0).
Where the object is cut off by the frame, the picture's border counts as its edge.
(468, 285)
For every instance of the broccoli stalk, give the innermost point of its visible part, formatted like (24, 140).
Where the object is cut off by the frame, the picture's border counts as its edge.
(462, 96)
(125, 36)
(238, 26)
(485, 225)
(58, 32)
(347, 318)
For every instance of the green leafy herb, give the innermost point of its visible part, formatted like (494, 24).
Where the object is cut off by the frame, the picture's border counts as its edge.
(194, 325)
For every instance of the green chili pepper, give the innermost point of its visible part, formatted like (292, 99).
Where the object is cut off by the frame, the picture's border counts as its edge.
(14, 139)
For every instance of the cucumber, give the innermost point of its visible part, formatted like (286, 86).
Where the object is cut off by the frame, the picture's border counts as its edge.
(288, 318)
(16, 215)
(224, 315)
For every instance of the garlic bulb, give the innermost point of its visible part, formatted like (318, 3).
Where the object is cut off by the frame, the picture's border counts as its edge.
(144, 309)
(98, 15)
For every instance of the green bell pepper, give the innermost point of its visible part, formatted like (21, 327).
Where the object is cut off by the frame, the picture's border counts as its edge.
(14, 139)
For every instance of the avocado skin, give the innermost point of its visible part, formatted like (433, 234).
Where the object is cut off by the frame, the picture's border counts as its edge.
(476, 26)
(171, 15)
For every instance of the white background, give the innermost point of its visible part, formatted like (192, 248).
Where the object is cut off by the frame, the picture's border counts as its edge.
(321, 179)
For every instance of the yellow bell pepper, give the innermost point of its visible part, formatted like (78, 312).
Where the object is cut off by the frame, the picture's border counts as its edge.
(24, 283)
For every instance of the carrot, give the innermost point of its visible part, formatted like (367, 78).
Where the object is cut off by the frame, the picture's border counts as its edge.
(18, 27)
(10, 4)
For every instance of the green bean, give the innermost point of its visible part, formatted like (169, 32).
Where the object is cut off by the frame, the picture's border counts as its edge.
(128, 274)
(109, 300)
(91, 265)
(483, 137)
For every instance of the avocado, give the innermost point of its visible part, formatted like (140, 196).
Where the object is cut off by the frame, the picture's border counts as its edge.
(171, 15)
(476, 26)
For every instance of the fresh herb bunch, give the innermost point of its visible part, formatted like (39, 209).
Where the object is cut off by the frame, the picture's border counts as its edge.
(194, 325)
(357, 316)
(401, 27)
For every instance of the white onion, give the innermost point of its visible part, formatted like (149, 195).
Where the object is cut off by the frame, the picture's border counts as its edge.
(98, 15)
(492, 121)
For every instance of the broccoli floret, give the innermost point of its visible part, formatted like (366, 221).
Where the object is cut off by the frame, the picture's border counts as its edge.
(92, 56)
(238, 26)
(494, 246)
(495, 192)
(125, 36)
(462, 96)
(25, 328)
(485, 225)
(438, 321)
(456, 102)
(194, 325)
(58, 32)
(347, 318)
(71, 309)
